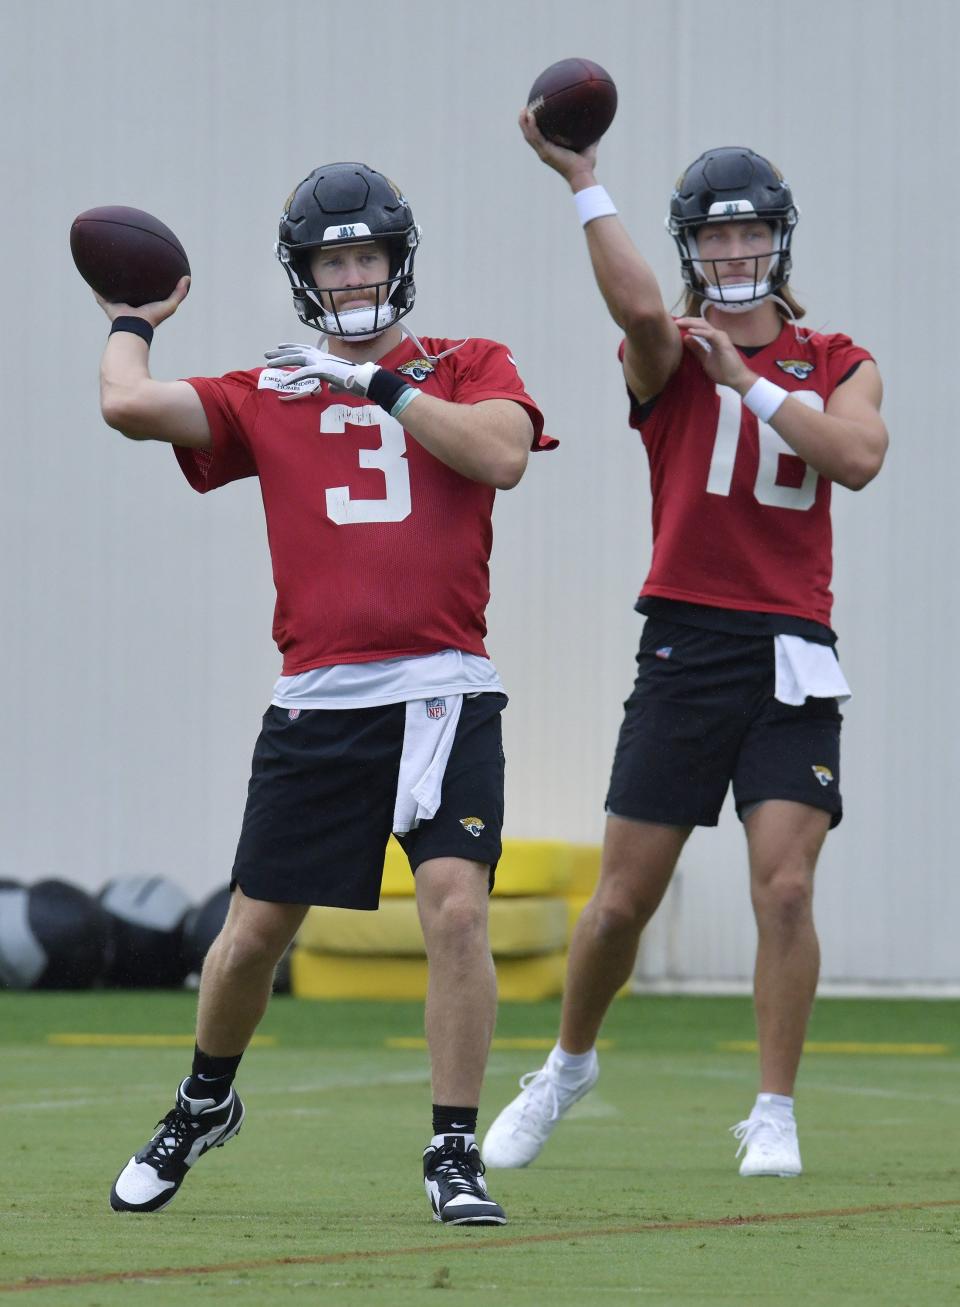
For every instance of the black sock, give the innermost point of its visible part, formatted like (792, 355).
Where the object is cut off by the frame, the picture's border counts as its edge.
(211, 1077)
(454, 1120)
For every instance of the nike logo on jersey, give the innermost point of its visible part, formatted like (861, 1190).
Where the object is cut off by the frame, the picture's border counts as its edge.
(798, 368)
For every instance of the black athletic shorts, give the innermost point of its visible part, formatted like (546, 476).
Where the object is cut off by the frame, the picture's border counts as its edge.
(322, 793)
(702, 715)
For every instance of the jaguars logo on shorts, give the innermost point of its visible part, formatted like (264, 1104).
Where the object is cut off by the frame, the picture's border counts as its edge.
(417, 369)
(823, 774)
(472, 824)
(798, 368)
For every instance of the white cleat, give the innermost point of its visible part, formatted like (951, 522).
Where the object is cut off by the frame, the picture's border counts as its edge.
(524, 1126)
(769, 1140)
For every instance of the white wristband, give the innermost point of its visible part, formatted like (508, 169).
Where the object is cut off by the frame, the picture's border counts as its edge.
(764, 398)
(592, 203)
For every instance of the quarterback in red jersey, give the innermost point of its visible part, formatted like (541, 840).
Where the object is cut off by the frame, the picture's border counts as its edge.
(747, 421)
(378, 457)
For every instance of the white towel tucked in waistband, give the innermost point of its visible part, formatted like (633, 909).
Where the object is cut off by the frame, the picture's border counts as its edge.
(427, 740)
(805, 670)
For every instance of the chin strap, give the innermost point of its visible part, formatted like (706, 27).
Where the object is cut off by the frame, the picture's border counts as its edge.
(801, 335)
(405, 330)
(431, 358)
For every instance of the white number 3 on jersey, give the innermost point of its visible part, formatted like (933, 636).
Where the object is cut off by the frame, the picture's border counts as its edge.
(390, 459)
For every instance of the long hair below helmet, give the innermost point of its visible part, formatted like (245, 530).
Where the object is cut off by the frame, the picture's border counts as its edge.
(733, 184)
(342, 204)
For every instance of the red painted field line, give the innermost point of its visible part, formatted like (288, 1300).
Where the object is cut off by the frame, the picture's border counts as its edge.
(326, 1259)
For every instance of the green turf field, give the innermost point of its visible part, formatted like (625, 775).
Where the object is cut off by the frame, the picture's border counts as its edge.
(636, 1200)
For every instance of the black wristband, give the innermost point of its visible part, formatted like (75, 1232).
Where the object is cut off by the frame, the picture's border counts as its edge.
(136, 326)
(386, 388)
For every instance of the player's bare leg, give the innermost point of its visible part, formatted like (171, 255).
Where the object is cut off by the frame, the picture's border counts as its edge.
(234, 991)
(461, 1003)
(638, 861)
(461, 1008)
(237, 977)
(784, 840)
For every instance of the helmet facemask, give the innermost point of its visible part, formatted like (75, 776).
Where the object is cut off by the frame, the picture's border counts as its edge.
(705, 276)
(392, 298)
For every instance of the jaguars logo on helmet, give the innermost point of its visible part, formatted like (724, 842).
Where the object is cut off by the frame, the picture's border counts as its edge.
(340, 204)
(733, 184)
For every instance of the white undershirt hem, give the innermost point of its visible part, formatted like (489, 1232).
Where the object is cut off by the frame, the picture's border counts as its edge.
(392, 680)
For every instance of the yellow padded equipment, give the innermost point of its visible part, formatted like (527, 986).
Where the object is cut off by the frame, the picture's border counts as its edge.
(320, 975)
(584, 868)
(527, 868)
(518, 928)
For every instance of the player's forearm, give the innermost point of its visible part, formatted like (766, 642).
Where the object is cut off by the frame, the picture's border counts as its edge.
(124, 379)
(840, 449)
(484, 444)
(847, 450)
(626, 281)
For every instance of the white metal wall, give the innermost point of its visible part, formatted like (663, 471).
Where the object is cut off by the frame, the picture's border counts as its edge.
(137, 653)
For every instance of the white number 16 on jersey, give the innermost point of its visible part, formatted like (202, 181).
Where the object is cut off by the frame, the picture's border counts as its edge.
(765, 487)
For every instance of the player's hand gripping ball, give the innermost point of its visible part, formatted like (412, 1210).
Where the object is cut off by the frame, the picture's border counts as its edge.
(574, 102)
(127, 256)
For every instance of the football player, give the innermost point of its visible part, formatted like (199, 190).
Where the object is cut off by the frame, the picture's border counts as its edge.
(747, 420)
(378, 456)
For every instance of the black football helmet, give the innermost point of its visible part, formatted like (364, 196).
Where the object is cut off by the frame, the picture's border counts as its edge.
(732, 184)
(341, 204)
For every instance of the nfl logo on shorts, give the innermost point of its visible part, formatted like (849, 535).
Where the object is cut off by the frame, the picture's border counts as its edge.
(436, 708)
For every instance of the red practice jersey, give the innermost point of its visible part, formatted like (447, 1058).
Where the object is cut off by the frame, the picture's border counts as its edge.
(379, 550)
(740, 521)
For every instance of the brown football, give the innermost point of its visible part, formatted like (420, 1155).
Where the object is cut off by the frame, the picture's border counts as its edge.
(574, 102)
(126, 255)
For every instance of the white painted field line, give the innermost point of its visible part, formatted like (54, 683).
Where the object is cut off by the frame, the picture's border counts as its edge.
(56, 1104)
(826, 1086)
(326, 1084)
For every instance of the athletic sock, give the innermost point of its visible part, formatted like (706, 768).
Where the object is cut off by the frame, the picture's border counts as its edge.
(570, 1066)
(778, 1102)
(454, 1120)
(211, 1077)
